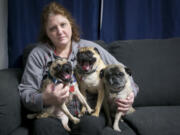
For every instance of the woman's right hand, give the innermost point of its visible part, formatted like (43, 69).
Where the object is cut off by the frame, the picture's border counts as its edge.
(55, 94)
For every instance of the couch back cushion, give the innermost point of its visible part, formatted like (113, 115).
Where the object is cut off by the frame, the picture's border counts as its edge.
(155, 65)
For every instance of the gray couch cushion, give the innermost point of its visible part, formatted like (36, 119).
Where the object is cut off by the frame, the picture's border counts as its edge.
(156, 69)
(125, 130)
(157, 120)
(20, 131)
(10, 107)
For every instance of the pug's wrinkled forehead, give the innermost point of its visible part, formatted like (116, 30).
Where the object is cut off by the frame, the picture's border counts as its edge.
(57, 61)
(89, 48)
(83, 49)
(61, 61)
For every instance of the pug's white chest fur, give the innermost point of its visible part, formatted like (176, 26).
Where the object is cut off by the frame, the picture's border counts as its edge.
(90, 82)
(121, 95)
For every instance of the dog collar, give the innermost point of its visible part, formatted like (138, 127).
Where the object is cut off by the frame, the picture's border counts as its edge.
(53, 79)
(71, 88)
(73, 80)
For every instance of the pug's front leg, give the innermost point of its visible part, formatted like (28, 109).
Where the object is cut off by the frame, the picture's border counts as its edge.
(84, 102)
(64, 108)
(116, 121)
(99, 102)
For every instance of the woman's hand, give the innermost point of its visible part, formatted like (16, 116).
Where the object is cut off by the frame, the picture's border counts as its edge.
(123, 105)
(55, 94)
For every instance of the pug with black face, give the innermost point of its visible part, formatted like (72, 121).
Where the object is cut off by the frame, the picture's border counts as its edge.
(60, 71)
(89, 65)
(117, 83)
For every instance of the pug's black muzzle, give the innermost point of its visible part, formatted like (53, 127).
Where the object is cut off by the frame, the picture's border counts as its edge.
(85, 57)
(64, 70)
(116, 79)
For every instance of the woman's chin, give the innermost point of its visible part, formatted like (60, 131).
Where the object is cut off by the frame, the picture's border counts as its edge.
(62, 43)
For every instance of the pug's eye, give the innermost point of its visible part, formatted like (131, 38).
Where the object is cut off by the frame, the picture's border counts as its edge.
(92, 60)
(120, 74)
(58, 67)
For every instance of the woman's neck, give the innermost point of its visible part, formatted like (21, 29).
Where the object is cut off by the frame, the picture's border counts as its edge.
(64, 51)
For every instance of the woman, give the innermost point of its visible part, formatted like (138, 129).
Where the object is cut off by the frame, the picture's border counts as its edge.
(60, 37)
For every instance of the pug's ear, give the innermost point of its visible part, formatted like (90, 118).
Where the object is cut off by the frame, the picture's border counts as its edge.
(49, 63)
(96, 50)
(128, 71)
(101, 75)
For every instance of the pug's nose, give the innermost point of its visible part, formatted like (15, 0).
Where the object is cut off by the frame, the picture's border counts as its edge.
(115, 80)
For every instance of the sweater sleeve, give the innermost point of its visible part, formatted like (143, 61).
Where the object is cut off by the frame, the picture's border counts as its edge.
(31, 82)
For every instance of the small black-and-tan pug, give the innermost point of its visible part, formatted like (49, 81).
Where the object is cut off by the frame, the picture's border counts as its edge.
(89, 65)
(117, 83)
(60, 71)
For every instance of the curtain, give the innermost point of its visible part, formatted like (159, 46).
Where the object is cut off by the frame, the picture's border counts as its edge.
(106, 20)
(24, 23)
(140, 19)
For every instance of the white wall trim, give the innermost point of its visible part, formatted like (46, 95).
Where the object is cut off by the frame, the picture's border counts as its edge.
(3, 34)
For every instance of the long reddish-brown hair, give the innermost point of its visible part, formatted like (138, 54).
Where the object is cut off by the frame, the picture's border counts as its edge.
(56, 8)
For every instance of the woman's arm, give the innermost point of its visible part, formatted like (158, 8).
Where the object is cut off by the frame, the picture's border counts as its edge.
(31, 81)
(29, 88)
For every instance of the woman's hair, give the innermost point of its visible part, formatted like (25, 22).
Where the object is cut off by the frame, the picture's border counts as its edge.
(56, 8)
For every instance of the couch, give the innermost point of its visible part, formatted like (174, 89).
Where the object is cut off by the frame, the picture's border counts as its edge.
(155, 65)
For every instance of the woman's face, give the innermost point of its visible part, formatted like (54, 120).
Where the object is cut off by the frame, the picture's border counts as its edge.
(59, 30)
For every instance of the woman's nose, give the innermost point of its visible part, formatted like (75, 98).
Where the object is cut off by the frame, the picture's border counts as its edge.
(59, 30)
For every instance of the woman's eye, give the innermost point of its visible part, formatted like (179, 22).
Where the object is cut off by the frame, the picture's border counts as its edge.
(63, 24)
(52, 29)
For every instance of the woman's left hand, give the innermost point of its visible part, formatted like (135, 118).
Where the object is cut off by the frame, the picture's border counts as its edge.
(123, 105)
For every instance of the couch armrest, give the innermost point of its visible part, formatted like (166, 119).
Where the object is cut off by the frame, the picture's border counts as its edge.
(10, 106)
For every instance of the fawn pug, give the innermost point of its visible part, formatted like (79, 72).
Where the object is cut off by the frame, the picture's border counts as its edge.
(89, 65)
(60, 71)
(117, 83)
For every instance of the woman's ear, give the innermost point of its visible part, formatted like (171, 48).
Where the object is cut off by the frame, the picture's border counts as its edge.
(96, 50)
(49, 63)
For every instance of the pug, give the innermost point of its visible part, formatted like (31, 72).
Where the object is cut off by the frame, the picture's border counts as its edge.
(117, 83)
(89, 65)
(60, 71)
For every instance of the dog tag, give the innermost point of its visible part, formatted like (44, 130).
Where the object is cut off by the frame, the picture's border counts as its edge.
(71, 89)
